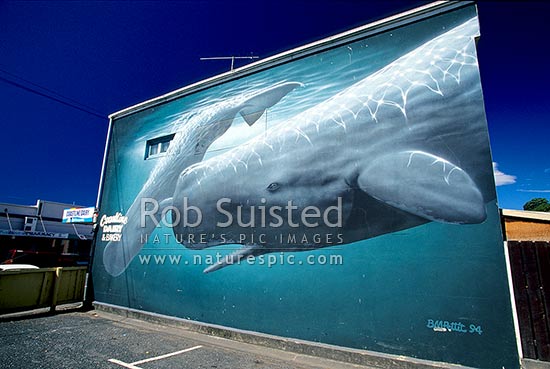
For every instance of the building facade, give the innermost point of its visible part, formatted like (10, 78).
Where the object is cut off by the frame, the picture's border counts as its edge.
(35, 234)
(340, 193)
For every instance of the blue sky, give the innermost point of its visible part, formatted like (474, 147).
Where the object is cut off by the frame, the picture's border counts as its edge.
(104, 56)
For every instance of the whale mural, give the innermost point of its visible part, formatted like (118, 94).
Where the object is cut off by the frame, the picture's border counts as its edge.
(399, 148)
(339, 193)
(391, 158)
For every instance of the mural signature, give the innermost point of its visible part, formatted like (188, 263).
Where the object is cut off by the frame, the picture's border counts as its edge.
(448, 326)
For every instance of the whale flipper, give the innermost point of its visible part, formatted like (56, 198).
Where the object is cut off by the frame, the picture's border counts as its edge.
(252, 116)
(425, 185)
(235, 257)
(255, 107)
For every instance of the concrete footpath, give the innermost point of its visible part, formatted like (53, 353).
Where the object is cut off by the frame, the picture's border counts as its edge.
(101, 340)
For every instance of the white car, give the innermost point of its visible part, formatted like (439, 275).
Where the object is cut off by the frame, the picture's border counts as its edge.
(4, 267)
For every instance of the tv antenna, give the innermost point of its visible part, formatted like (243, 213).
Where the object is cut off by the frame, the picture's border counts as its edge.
(232, 58)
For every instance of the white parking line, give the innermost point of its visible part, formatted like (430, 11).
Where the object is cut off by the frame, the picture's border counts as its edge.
(122, 363)
(135, 363)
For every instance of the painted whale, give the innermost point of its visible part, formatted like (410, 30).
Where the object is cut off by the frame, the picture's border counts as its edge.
(405, 146)
(188, 146)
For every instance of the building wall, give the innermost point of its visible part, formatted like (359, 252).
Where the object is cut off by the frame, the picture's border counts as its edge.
(386, 136)
(49, 243)
(527, 230)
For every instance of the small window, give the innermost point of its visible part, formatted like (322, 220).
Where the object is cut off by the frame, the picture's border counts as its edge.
(153, 149)
(158, 146)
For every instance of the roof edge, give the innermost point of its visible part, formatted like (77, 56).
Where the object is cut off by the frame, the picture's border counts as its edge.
(536, 215)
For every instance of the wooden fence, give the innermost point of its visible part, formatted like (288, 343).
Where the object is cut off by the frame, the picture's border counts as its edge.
(530, 267)
(30, 289)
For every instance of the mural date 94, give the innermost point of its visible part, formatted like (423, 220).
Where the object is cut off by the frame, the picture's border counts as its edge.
(447, 326)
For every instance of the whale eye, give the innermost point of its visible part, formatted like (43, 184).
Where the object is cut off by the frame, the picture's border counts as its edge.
(273, 186)
(199, 148)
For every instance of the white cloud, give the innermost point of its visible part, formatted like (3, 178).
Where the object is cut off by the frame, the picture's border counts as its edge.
(502, 179)
(537, 191)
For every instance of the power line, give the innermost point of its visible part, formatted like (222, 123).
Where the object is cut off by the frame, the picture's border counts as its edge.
(51, 91)
(48, 94)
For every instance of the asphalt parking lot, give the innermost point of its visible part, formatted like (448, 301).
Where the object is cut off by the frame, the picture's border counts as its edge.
(102, 340)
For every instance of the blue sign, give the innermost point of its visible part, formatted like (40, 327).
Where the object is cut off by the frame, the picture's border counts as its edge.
(78, 215)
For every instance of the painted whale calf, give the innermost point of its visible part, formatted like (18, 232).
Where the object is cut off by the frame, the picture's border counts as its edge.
(188, 146)
(400, 148)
